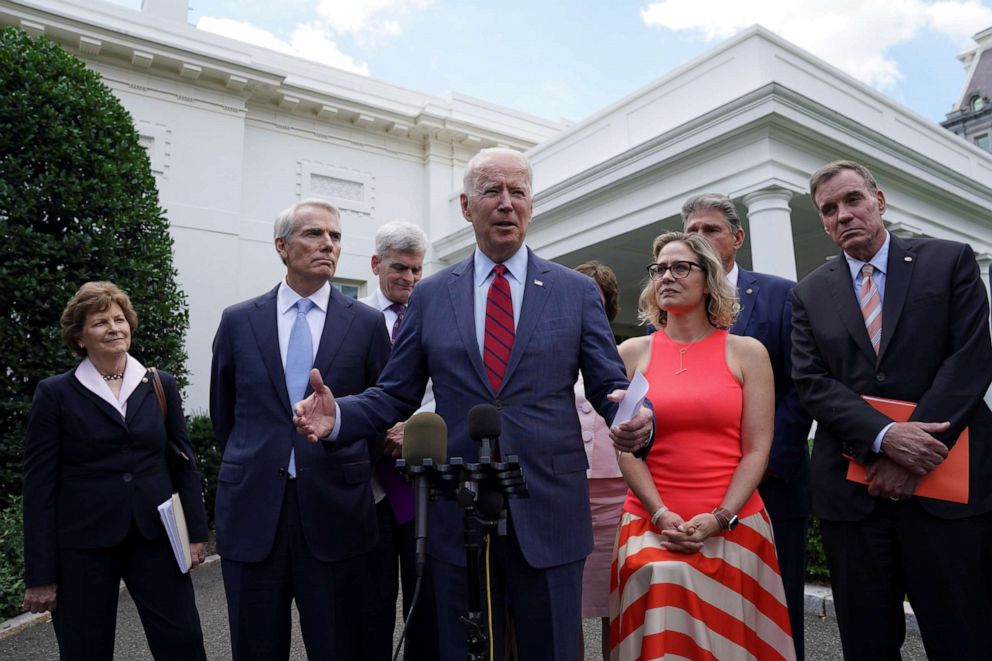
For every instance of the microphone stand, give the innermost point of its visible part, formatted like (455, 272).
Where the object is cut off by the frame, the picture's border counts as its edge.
(485, 486)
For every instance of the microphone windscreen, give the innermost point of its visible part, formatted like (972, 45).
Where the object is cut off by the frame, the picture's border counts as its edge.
(484, 422)
(425, 436)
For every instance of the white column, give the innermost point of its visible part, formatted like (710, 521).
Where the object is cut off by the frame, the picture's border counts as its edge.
(770, 225)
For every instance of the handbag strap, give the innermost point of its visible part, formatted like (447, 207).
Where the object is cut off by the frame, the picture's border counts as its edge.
(164, 407)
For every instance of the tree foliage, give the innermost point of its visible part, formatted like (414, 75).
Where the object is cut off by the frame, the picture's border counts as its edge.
(77, 202)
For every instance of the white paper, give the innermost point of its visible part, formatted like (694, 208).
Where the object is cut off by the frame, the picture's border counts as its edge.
(633, 400)
(174, 520)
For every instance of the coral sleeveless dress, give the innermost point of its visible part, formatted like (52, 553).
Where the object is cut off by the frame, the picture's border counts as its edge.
(725, 601)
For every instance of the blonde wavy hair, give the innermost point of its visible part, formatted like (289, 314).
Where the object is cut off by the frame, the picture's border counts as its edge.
(721, 302)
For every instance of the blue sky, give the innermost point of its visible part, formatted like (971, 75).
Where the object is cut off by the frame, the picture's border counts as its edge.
(567, 59)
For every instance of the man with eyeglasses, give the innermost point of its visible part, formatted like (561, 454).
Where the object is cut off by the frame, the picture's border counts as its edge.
(766, 315)
(900, 319)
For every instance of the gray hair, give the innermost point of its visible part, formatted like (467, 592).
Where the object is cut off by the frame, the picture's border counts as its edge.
(286, 220)
(400, 236)
(832, 169)
(718, 201)
(477, 162)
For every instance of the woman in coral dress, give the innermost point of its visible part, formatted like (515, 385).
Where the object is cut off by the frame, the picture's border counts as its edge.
(694, 573)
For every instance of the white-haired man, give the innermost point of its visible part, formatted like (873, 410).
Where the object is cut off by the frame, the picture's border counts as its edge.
(398, 264)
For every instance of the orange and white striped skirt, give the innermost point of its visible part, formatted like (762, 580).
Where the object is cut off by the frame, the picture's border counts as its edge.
(725, 602)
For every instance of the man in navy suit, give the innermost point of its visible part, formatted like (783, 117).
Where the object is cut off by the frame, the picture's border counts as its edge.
(900, 319)
(398, 264)
(766, 315)
(295, 521)
(553, 327)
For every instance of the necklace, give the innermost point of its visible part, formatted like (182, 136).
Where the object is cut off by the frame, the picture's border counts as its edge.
(684, 348)
(116, 376)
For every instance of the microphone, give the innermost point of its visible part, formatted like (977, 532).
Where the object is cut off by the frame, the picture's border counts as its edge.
(484, 425)
(425, 436)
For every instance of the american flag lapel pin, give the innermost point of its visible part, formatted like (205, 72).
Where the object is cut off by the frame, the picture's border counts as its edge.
(538, 283)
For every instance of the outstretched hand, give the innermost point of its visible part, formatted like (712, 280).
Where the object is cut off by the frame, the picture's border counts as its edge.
(315, 415)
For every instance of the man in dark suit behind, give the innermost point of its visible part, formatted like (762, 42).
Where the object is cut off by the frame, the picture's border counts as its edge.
(930, 346)
(766, 315)
(294, 520)
(554, 326)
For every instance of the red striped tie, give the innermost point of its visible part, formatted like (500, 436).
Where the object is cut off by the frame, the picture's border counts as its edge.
(871, 305)
(498, 342)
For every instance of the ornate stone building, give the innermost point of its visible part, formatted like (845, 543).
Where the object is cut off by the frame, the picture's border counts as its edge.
(972, 115)
(236, 133)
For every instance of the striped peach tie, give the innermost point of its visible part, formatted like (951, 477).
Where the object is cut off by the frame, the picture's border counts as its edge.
(871, 305)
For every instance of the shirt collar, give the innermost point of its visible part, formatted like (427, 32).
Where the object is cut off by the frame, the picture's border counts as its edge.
(286, 297)
(733, 275)
(516, 266)
(381, 302)
(880, 260)
(88, 375)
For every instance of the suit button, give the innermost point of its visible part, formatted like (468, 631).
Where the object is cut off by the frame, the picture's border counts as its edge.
(498, 404)
(880, 377)
(127, 477)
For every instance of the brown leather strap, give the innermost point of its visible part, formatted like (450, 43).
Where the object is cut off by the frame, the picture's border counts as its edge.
(164, 407)
(159, 391)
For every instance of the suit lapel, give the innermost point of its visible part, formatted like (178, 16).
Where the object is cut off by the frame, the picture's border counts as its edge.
(535, 297)
(337, 321)
(462, 293)
(265, 327)
(98, 401)
(901, 263)
(747, 293)
(846, 305)
(137, 400)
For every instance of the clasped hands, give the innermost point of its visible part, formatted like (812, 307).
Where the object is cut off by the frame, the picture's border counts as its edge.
(683, 536)
(315, 417)
(909, 452)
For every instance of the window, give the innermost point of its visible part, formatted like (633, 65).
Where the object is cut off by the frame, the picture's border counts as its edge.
(984, 141)
(351, 291)
(976, 103)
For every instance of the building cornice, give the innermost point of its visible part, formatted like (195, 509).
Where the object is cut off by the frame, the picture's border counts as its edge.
(106, 34)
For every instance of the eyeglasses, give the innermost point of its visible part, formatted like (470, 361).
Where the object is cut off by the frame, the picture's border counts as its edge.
(678, 269)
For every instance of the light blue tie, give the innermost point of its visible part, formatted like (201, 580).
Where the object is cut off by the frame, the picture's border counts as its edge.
(299, 361)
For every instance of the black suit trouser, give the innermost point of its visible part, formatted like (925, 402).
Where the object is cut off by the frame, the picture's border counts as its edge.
(328, 596)
(900, 549)
(544, 605)
(85, 617)
(398, 541)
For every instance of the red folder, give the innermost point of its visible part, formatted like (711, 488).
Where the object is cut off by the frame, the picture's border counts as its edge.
(948, 481)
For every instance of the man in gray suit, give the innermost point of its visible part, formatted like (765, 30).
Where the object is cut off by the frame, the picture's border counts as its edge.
(398, 263)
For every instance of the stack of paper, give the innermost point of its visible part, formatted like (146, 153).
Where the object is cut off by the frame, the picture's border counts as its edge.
(174, 520)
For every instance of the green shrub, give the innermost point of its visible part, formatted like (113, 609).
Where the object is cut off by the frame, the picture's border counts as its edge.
(201, 436)
(77, 203)
(11, 559)
(816, 561)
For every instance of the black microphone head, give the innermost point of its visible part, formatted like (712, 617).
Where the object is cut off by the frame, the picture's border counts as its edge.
(484, 422)
(425, 437)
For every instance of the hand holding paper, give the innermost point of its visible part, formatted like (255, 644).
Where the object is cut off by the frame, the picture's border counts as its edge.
(632, 425)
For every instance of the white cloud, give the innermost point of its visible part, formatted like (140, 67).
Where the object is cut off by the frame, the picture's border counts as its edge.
(307, 41)
(850, 34)
(368, 18)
